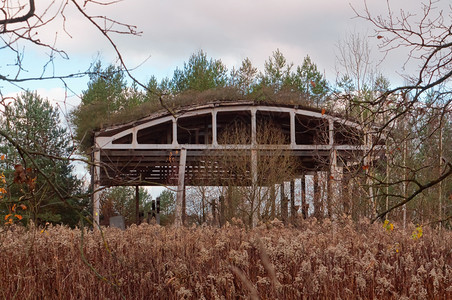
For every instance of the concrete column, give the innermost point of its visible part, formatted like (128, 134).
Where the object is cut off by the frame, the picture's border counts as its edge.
(304, 205)
(284, 208)
(332, 192)
(254, 166)
(293, 212)
(184, 207)
(253, 127)
(137, 205)
(317, 199)
(254, 184)
(214, 213)
(273, 202)
(334, 184)
(330, 132)
(180, 188)
(346, 197)
(292, 129)
(214, 128)
(175, 142)
(151, 214)
(96, 185)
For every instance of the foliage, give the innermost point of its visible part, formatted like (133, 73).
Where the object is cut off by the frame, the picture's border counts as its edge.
(105, 96)
(413, 127)
(306, 81)
(311, 82)
(199, 74)
(245, 78)
(109, 100)
(39, 173)
(414, 116)
(121, 201)
(277, 72)
(167, 207)
(245, 199)
(320, 260)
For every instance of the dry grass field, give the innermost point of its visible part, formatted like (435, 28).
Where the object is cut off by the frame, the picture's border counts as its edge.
(317, 260)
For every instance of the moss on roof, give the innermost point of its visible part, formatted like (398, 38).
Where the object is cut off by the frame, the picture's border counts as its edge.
(179, 103)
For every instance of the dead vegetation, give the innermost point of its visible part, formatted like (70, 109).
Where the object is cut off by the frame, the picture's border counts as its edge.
(187, 99)
(340, 260)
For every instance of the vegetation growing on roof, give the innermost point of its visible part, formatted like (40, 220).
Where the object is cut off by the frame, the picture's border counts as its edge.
(109, 100)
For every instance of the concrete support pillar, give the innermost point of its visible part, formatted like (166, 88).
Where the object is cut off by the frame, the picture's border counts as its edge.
(304, 205)
(184, 207)
(254, 167)
(152, 214)
(214, 213)
(346, 196)
(155, 211)
(330, 132)
(96, 186)
(293, 211)
(292, 129)
(272, 202)
(180, 188)
(214, 128)
(253, 127)
(254, 187)
(318, 211)
(175, 142)
(284, 203)
(334, 184)
(331, 180)
(137, 205)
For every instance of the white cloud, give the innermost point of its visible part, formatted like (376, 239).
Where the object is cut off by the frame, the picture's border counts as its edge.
(228, 30)
(60, 98)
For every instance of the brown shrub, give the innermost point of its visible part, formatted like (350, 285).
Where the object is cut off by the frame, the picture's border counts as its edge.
(328, 260)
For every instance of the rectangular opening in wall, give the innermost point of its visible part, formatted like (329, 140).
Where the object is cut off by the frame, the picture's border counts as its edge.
(310, 130)
(195, 129)
(157, 134)
(272, 127)
(127, 139)
(234, 127)
(347, 135)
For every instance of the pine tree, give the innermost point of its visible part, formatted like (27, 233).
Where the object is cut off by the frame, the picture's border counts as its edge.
(43, 173)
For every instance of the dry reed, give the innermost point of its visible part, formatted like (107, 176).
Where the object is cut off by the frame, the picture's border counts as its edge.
(327, 260)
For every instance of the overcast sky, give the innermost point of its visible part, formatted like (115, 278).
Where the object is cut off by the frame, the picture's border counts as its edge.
(228, 30)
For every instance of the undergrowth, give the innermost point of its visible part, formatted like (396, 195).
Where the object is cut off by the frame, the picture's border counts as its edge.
(326, 260)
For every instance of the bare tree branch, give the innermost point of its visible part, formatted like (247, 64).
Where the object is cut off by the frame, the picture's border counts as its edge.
(417, 192)
(23, 18)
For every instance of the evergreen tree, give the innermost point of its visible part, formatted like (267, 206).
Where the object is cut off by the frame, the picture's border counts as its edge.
(167, 206)
(277, 72)
(306, 81)
(107, 94)
(120, 200)
(199, 74)
(309, 81)
(245, 78)
(34, 124)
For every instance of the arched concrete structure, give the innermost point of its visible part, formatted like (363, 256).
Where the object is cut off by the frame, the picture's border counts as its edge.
(166, 149)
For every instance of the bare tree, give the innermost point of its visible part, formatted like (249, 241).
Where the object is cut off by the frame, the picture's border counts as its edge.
(26, 27)
(22, 28)
(249, 175)
(408, 115)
